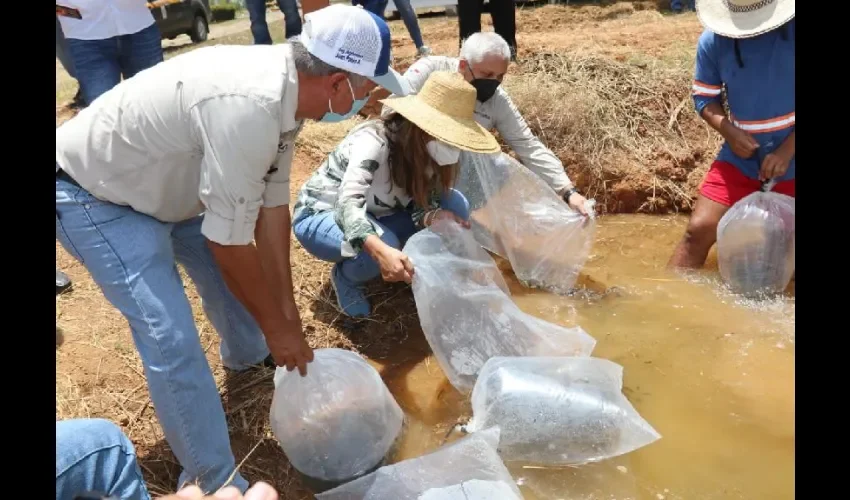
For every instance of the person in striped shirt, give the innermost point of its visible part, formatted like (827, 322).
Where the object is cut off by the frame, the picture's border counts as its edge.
(748, 48)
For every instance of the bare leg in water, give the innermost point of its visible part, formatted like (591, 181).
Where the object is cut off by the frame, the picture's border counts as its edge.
(700, 235)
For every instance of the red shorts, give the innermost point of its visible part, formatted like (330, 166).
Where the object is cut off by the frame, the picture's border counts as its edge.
(726, 185)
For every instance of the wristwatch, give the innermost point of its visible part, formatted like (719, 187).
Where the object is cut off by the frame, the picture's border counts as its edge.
(569, 192)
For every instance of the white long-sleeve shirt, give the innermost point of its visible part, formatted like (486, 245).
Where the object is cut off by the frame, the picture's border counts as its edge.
(499, 113)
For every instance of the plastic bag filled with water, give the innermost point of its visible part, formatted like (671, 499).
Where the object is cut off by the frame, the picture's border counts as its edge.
(516, 215)
(557, 410)
(755, 244)
(339, 421)
(467, 469)
(466, 310)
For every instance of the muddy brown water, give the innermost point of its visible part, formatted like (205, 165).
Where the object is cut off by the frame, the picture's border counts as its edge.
(714, 374)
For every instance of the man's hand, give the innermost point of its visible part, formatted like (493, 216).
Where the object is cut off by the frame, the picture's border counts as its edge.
(260, 491)
(290, 349)
(742, 143)
(776, 163)
(448, 215)
(577, 202)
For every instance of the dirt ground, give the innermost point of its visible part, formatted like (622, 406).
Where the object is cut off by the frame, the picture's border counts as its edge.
(98, 373)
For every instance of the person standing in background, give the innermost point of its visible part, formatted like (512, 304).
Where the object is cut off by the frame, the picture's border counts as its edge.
(503, 13)
(259, 27)
(62, 281)
(408, 15)
(108, 40)
(65, 59)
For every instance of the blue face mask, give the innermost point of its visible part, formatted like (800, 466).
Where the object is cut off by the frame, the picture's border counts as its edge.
(356, 105)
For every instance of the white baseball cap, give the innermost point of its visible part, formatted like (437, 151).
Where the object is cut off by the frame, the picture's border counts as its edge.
(354, 40)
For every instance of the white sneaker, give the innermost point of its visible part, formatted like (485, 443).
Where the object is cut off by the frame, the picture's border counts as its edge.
(424, 51)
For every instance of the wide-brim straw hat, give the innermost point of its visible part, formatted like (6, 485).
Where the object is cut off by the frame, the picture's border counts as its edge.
(744, 18)
(444, 108)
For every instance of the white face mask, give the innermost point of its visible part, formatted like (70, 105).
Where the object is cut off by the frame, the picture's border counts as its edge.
(442, 153)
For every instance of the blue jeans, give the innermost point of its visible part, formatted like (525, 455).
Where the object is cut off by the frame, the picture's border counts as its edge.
(322, 237)
(676, 5)
(100, 64)
(259, 27)
(405, 10)
(62, 50)
(133, 259)
(94, 457)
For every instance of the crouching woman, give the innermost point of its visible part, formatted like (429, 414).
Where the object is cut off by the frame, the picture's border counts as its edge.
(388, 179)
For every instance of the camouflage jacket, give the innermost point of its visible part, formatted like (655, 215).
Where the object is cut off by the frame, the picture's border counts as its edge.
(355, 182)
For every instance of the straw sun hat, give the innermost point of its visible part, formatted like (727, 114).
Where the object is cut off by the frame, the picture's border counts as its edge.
(744, 18)
(444, 109)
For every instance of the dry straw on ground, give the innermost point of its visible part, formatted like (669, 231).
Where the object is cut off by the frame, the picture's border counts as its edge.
(613, 121)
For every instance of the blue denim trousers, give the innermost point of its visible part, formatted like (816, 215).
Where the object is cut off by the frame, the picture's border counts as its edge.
(133, 259)
(322, 237)
(259, 27)
(93, 457)
(100, 64)
(405, 10)
(62, 50)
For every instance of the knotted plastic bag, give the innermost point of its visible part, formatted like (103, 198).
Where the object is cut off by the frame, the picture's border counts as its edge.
(755, 244)
(467, 469)
(557, 410)
(339, 421)
(517, 216)
(466, 310)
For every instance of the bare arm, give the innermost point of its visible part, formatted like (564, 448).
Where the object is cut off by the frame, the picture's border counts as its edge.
(239, 140)
(242, 268)
(273, 236)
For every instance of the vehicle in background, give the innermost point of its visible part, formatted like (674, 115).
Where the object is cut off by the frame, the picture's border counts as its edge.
(178, 17)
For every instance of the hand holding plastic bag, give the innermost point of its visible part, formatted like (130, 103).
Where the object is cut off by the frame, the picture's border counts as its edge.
(339, 421)
(557, 410)
(519, 217)
(466, 310)
(755, 244)
(463, 470)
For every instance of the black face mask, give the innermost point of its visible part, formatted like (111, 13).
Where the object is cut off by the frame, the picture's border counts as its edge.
(484, 87)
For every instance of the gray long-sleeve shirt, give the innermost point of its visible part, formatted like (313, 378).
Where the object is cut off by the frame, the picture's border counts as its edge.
(500, 113)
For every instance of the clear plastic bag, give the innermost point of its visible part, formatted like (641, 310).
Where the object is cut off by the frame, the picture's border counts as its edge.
(557, 410)
(516, 215)
(466, 310)
(755, 244)
(462, 470)
(339, 421)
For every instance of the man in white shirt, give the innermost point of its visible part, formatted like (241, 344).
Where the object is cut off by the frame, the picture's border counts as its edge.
(483, 62)
(189, 163)
(108, 40)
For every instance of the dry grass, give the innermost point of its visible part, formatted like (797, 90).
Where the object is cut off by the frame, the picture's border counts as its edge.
(616, 121)
(617, 74)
